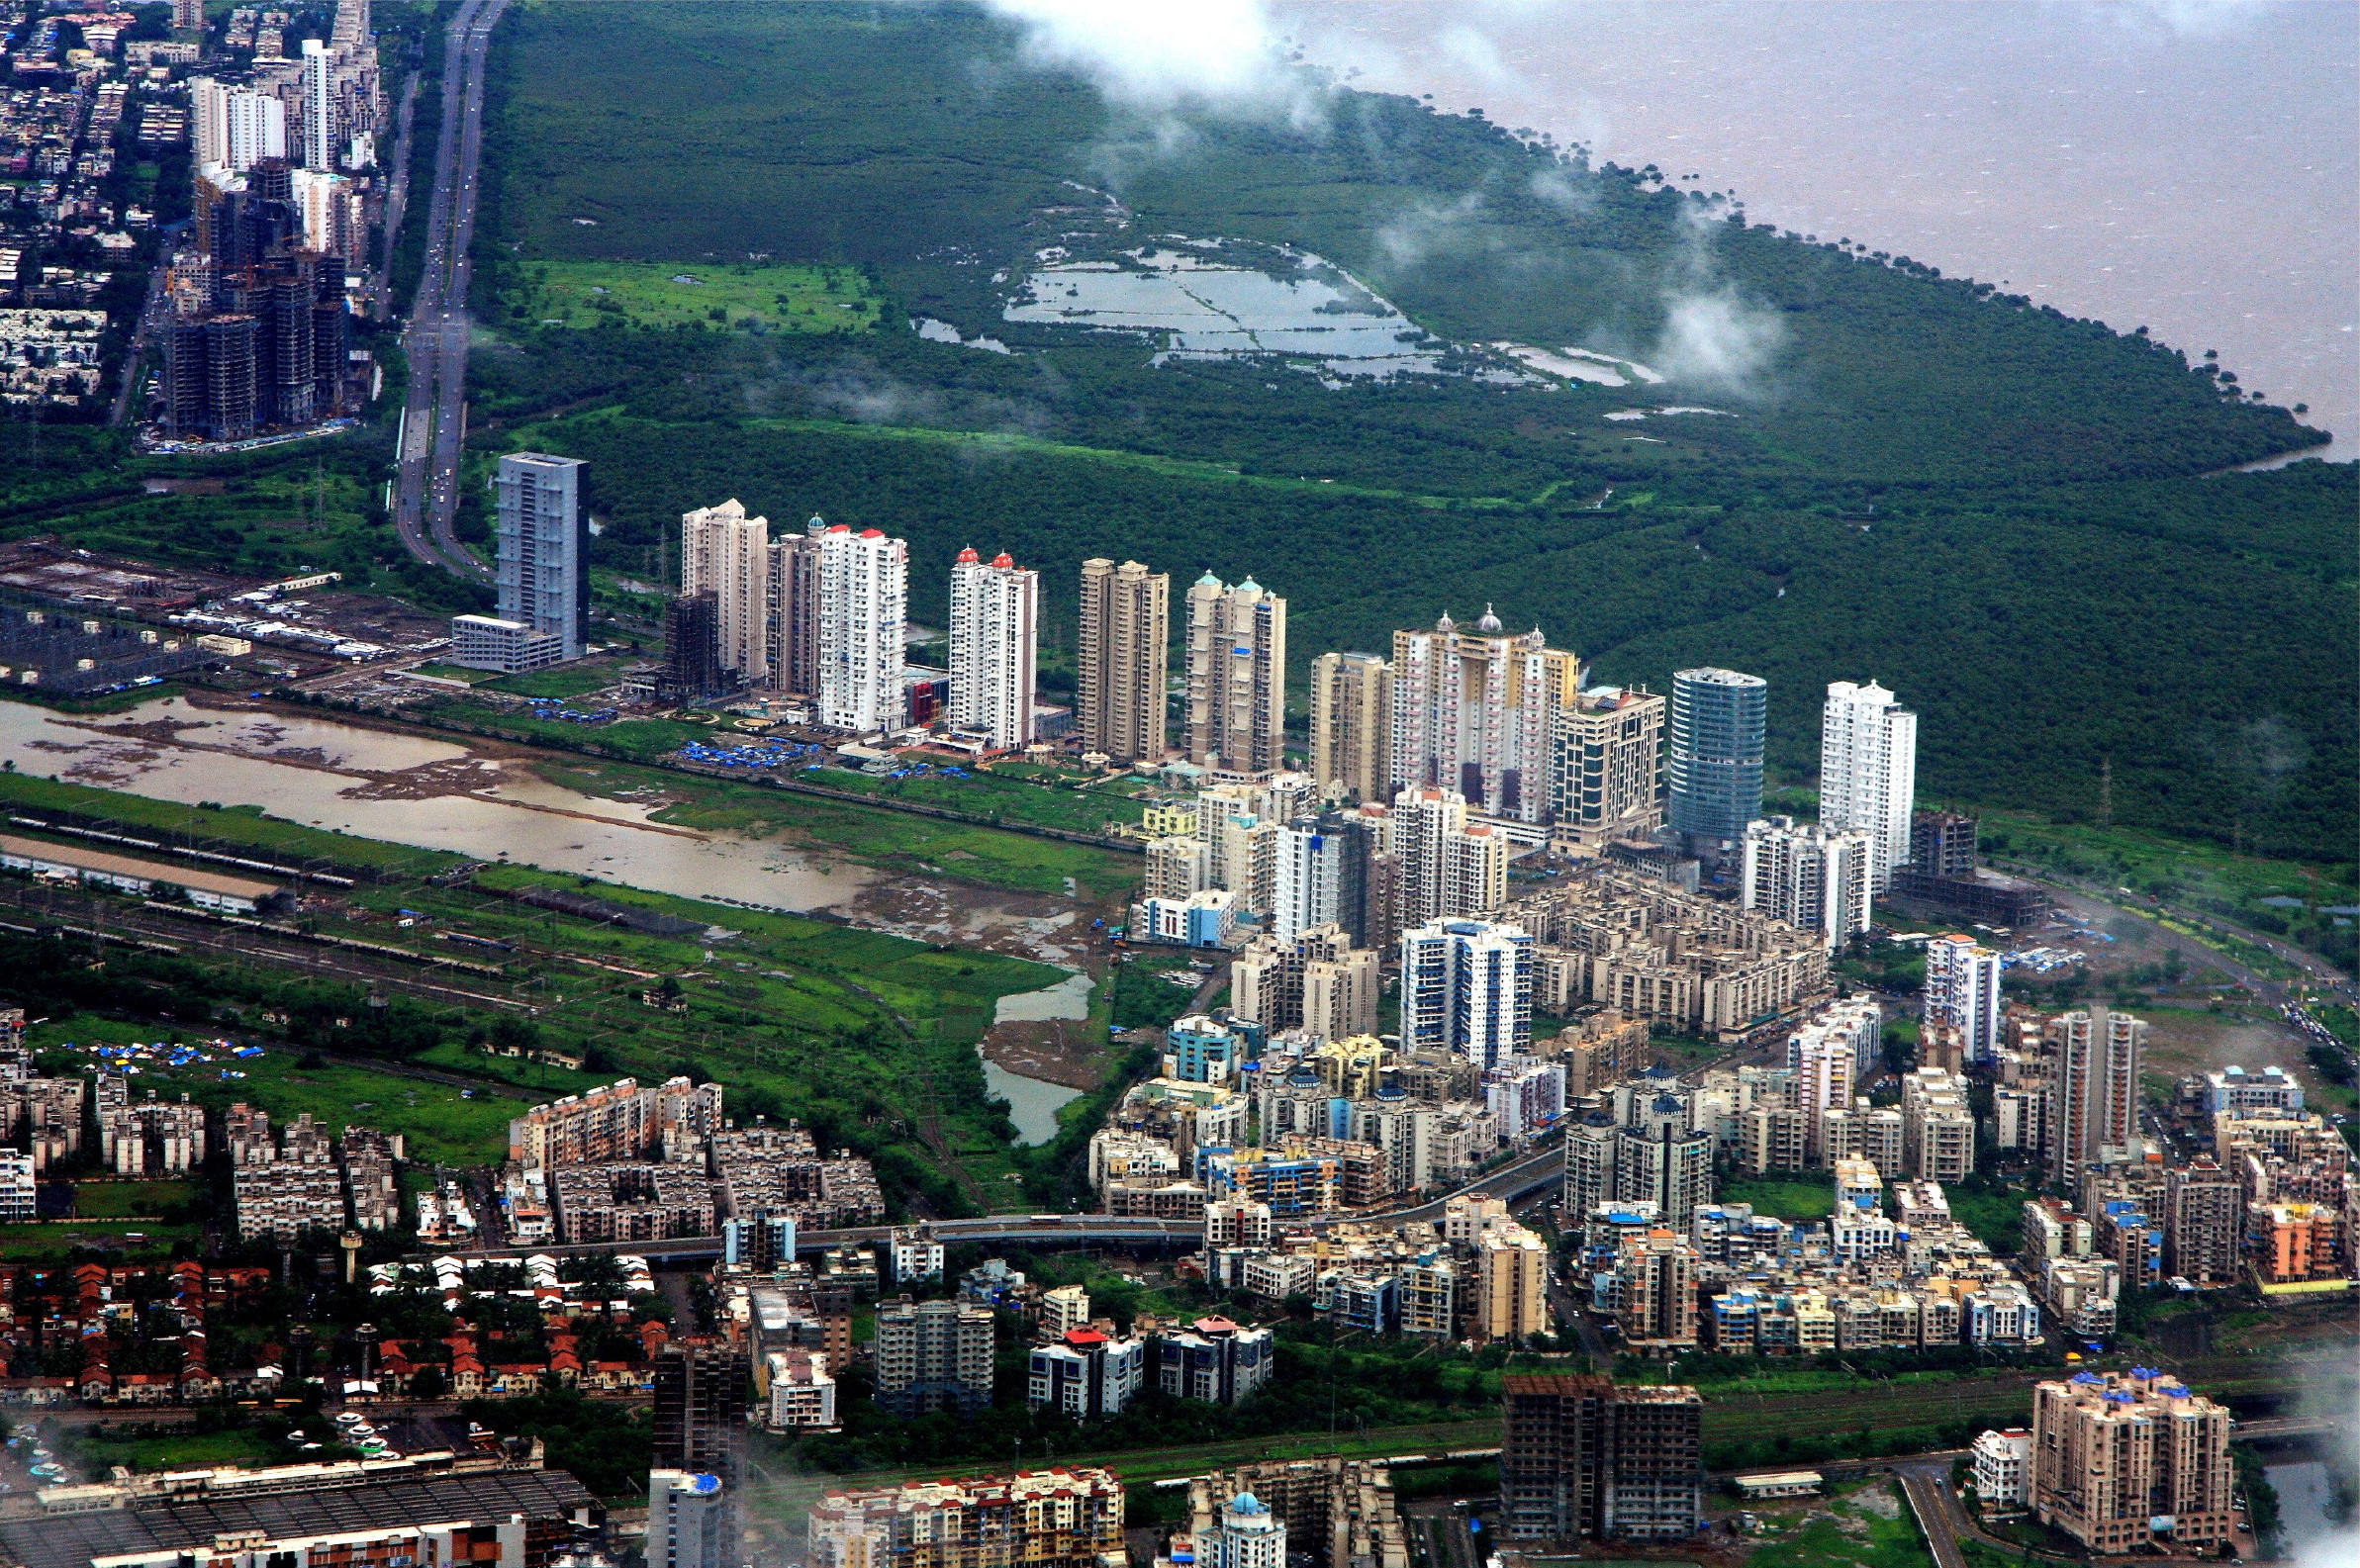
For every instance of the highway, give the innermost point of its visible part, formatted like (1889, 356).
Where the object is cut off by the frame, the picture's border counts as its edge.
(426, 489)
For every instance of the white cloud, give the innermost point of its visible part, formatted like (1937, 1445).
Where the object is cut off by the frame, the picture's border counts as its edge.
(1717, 341)
(1156, 58)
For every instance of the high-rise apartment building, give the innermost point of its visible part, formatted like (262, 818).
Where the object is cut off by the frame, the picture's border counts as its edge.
(1826, 1068)
(1236, 677)
(542, 548)
(2202, 1211)
(1351, 725)
(1446, 868)
(995, 613)
(700, 1418)
(1245, 1534)
(1651, 1291)
(1316, 980)
(1474, 712)
(1466, 987)
(933, 1355)
(1937, 1125)
(1868, 772)
(1963, 1013)
(1606, 768)
(791, 610)
(864, 618)
(233, 129)
(2099, 1054)
(1660, 1158)
(1713, 754)
(318, 84)
(2126, 1461)
(688, 1517)
(1319, 874)
(1511, 1283)
(1584, 1459)
(726, 553)
(1121, 657)
(1812, 878)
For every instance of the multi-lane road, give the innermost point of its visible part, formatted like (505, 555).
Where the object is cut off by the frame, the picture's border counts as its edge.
(425, 488)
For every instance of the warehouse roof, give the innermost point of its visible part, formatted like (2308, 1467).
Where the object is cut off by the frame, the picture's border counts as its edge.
(76, 1541)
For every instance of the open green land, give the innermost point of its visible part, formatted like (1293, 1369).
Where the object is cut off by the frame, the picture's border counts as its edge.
(1788, 1200)
(100, 1449)
(133, 1239)
(868, 1038)
(794, 299)
(1904, 476)
(1867, 1525)
(128, 1200)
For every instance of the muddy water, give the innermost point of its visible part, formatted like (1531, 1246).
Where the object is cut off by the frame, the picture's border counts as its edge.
(411, 790)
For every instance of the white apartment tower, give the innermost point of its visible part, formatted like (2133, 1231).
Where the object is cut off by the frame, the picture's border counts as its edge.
(1449, 868)
(1812, 878)
(1475, 712)
(1236, 677)
(235, 127)
(864, 616)
(1868, 772)
(726, 553)
(319, 105)
(995, 613)
(1824, 1063)
(1466, 987)
(1962, 998)
(687, 1521)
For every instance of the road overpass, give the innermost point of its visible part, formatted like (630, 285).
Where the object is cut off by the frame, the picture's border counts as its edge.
(1515, 1181)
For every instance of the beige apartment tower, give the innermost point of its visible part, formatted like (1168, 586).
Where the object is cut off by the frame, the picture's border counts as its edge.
(1351, 725)
(2122, 1462)
(1236, 677)
(1123, 655)
(726, 553)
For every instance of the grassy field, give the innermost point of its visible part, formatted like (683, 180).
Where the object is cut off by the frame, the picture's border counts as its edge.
(795, 299)
(1788, 1200)
(988, 795)
(98, 1450)
(133, 1239)
(128, 1200)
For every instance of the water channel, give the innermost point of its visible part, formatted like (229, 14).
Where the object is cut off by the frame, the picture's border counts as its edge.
(2313, 1538)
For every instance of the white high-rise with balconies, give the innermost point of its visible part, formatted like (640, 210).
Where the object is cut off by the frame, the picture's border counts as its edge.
(864, 618)
(1466, 987)
(995, 611)
(319, 105)
(1868, 772)
(1812, 878)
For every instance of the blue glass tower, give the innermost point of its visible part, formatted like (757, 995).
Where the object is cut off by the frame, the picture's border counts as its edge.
(1713, 757)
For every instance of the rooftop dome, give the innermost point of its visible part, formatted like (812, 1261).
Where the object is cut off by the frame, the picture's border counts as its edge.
(1489, 622)
(968, 557)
